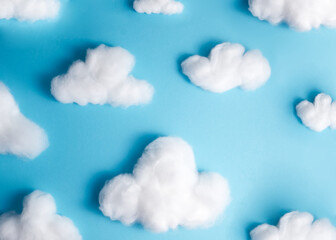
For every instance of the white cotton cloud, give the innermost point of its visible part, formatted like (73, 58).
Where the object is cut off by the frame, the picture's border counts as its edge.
(158, 6)
(165, 190)
(102, 79)
(228, 66)
(296, 226)
(302, 15)
(29, 10)
(18, 135)
(38, 221)
(318, 115)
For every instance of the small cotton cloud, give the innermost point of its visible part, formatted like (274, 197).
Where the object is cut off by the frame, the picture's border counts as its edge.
(38, 221)
(102, 79)
(158, 6)
(18, 135)
(165, 190)
(228, 66)
(318, 115)
(299, 14)
(29, 10)
(298, 226)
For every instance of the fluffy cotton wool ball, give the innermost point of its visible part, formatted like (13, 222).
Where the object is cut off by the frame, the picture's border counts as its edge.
(38, 221)
(165, 190)
(296, 226)
(158, 6)
(18, 135)
(29, 10)
(102, 79)
(227, 67)
(302, 15)
(318, 115)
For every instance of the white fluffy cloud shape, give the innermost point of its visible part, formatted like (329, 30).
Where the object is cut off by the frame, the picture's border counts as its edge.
(296, 226)
(227, 67)
(158, 6)
(165, 190)
(29, 10)
(38, 221)
(302, 15)
(102, 79)
(318, 115)
(18, 135)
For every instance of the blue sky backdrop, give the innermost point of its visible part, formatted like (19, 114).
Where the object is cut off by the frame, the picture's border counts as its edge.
(254, 139)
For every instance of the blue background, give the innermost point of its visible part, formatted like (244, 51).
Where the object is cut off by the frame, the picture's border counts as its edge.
(254, 139)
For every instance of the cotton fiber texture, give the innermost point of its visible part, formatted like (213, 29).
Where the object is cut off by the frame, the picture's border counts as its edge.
(302, 15)
(165, 190)
(227, 67)
(296, 226)
(318, 115)
(102, 79)
(29, 10)
(38, 221)
(158, 6)
(18, 135)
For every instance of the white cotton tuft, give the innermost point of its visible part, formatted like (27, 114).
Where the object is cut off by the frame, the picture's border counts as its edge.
(29, 10)
(318, 115)
(158, 6)
(165, 190)
(228, 67)
(102, 79)
(302, 15)
(18, 135)
(296, 226)
(38, 221)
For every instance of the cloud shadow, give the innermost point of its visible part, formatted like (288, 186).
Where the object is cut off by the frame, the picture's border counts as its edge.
(15, 202)
(98, 181)
(204, 51)
(310, 97)
(272, 220)
(62, 66)
(243, 6)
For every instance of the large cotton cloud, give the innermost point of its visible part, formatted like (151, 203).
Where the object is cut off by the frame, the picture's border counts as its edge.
(296, 226)
(165, 190)
(102, 79)
(302, 15)
(38, 221)
(158, 6)
(318, 115)
(18, 135)
(29, 10)
(227, 67)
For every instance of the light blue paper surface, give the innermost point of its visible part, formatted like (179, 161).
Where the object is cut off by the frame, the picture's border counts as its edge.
(254, 139)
